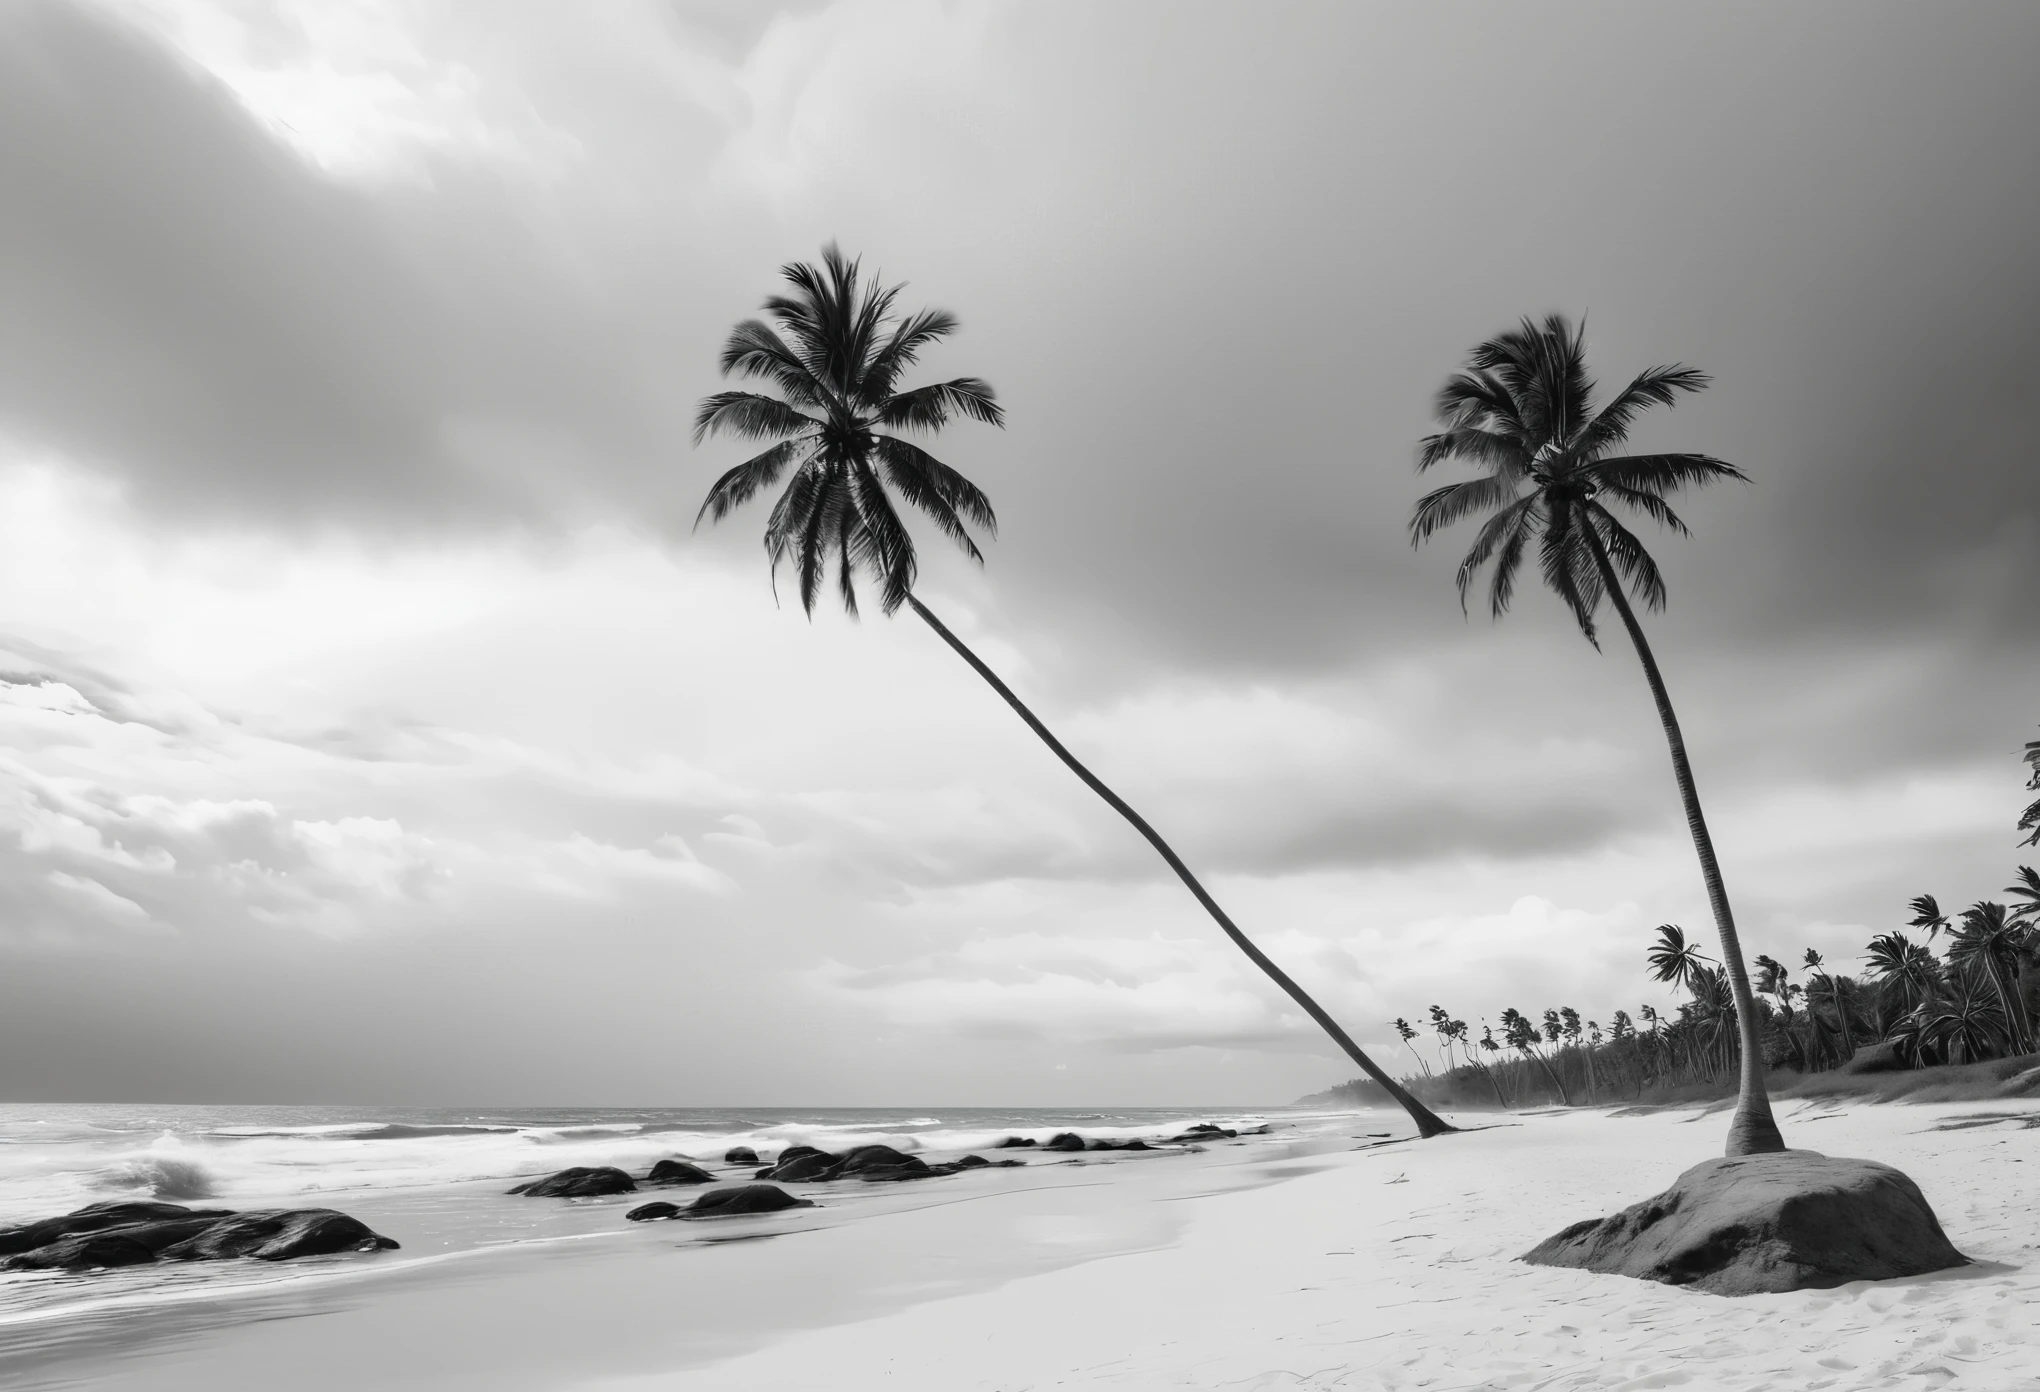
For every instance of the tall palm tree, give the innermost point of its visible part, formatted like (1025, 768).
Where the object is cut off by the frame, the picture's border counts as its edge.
(835, 350)
(1522, 413)
(1907, 970)
(1987, 939)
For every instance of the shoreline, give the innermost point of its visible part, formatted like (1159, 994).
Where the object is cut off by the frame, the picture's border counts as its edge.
(1264, 1264)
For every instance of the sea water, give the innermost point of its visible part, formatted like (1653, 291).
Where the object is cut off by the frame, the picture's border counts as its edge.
(435, 1178)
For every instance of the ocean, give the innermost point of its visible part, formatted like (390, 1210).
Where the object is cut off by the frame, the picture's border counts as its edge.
(434, 1178)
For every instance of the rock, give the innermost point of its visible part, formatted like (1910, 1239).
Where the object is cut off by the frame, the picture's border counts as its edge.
(645, 1213)
(97, 1218)
(811, 1165)
(278, 1234)
(880, 1162)
(1008, 1164)
(1120, 1145)
(976, 1162)
(580, 1182)
(1744, 1225)
(1013, 1141)
(678, 1172)
(86, 1252)
(740, 1155)
(1068, 1140)
(128, 1234)
(742, 1199)
(1203, 1133)
(794, 1152)
(1881, 1057)
(1264, 1129)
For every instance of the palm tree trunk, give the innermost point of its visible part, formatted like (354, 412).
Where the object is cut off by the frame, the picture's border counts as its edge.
(1427, 1122)
(1564, 1099)
(1754, 1130)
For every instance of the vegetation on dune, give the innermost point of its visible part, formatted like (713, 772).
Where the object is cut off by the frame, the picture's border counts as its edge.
(1522, 414)
(838, 432)
(1976, 1002)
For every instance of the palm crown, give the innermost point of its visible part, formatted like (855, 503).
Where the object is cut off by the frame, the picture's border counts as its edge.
(1522, 412)
(835, 349)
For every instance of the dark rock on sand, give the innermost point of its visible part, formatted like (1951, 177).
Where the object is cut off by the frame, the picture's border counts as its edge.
(106, 1235)
(804, 1168)
(1761, 1223)
(580, 1182)
(1068, 1140)
(96, 1218)
(647, 1212)
(882, 1162)
(794, 1152)
(86, 1252)
(1203, 1132)
(743, 1199)
(740, 1155)
(1120, 1145)
(678, 1172)
(973, 1162)
(278, 1234)
(1881, 1057)
(1011, 1142)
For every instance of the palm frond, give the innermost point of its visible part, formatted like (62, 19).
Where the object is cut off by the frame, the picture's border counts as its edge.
(1569, 567)
(1660, 474)
(1650, 505)
(1489, 449)
(749, 416)
(1658, 386)
(917, 474)
(754, 350)
(902, 350)
(883, 543)
(1504, 533)
(1443, 506)
(930, 407)
(1630, 559)
(742, 483)
(1474, 398)
(2025, 885)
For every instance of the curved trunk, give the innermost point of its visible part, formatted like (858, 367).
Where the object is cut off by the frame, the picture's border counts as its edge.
(1754, 1130)
(1493, 1082)
(1563, 1099)
(1427, 1122)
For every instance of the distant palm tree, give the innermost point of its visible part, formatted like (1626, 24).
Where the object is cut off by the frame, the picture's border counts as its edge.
(1926, 914)
(2025, 886)
(1673, 959)
(1821, 986)
(1522, 413)
(1989, 941)
(836, 356)
(1522, 1037)
(1408, 1035)
(2029, 820)
(1907, 970)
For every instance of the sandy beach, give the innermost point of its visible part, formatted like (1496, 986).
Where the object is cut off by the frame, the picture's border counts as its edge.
(1328, 1262)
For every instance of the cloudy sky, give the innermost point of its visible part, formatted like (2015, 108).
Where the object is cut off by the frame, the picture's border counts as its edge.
(373, 727)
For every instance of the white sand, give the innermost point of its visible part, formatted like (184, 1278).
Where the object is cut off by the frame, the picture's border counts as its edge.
(1252, 1266)
(1393, 1269)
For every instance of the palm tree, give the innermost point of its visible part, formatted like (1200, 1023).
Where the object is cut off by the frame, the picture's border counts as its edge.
(1989, 941)
(1522, 1037)
(835, 350)
(2029, 820)
(1402, 1028)
(1926, 914)
(1522, 413)
(2025, 885)
(1907, 970)
(1673, 959)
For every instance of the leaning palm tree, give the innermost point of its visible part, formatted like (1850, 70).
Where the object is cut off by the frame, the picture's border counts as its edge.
(835, 350)
(1990, 942)
(2025, 888)
(1522, 413)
